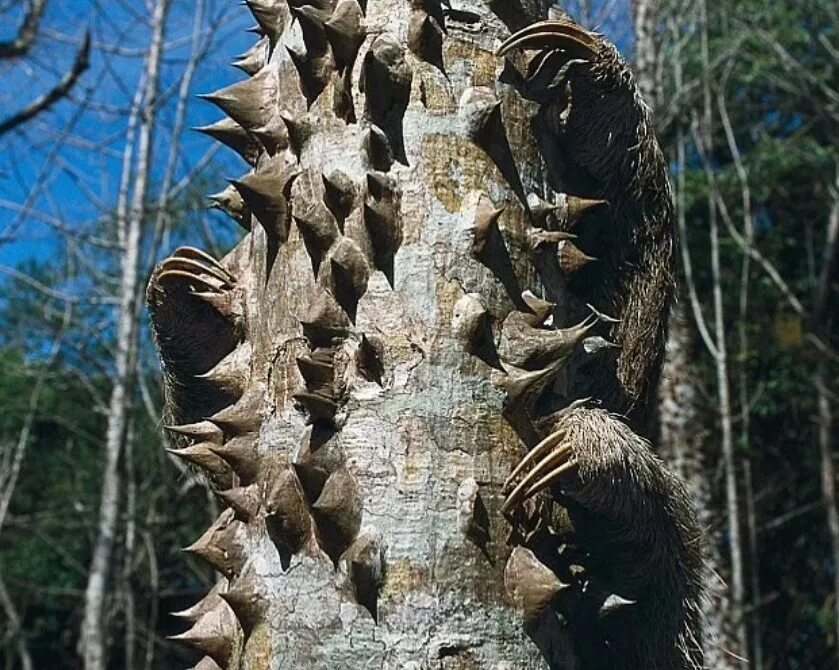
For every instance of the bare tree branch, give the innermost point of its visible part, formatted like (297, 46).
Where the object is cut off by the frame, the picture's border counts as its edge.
(59, 91)
(22, 41)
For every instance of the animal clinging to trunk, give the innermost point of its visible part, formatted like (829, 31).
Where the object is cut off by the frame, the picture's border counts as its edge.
(631, 516)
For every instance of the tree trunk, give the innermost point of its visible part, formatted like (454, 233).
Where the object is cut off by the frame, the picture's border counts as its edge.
(354, 378)
(92, 643)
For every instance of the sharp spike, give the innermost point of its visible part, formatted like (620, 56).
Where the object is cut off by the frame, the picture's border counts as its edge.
(241, 455)
(346, 32)
(386, 82)
(271, 17)
(249, 102)
(245, 416)
(287, 518)
(231, 134)
(221, 545)
(254, 59)
(232, 373)
(207, 603)
(571, 258)
(247, 604)
(231, 203)
(531, 584)
(203, 431)
(338, 513)
(243, 500)
(425, 39)
(214, 634)
(339, 194)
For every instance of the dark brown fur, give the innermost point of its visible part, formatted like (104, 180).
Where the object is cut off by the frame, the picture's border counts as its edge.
(635, 517)
(630, 512)
(609, 134)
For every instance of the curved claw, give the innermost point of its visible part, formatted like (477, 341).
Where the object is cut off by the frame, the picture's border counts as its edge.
(539, 450)
(192, 252)
(189, 265)
(191, 277)
(552, 35)
(556, 464)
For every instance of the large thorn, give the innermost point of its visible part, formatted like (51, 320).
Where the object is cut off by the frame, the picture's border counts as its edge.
(250, 102)
(232, 373)
(230, 202)
(425, 39)
(377, 147)
(542, 309)
(202, 456)
(364, 564)
(339, 195)
(207, 603)
(346, 32)
(220, 546)
(214, 634)
(338, 513)
(531, 584)
(383, 221)
(231, 134)
(254, 59)
(243, 500)
(481, 110)
(287, 518)
(349, 275)
(203, 431)
(324, 319)
(247, 603)
(240, 454)
(573, 208)
(525, 346)
(386, 82)
(271, 17)
(571, 258)
(245, 416)
(317, 227)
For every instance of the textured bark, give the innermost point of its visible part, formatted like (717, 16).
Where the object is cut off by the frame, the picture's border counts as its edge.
(360, 375)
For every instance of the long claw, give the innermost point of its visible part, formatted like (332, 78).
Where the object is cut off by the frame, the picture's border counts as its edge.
(549, 469)
(192, 252)
(552, 35)
(189, 265)
(570, 467)
(191, 277)
(537, 452)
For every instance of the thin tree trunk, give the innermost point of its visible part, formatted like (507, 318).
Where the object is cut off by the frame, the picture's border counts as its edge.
(721, 358)
(15, 629)
(826, 396)
(682, 433)
(92, 643)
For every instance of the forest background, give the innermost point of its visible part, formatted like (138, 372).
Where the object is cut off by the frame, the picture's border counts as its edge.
(101, 176)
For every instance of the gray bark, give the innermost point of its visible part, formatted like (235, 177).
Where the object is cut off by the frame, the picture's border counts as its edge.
(422, 451)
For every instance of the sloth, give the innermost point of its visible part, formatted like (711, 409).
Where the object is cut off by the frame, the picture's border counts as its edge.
(630, 513)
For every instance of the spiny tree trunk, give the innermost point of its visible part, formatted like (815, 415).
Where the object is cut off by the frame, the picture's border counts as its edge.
(92, 643)
(358, 377)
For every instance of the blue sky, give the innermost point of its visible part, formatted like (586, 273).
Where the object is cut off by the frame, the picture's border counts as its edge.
(74, 151)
